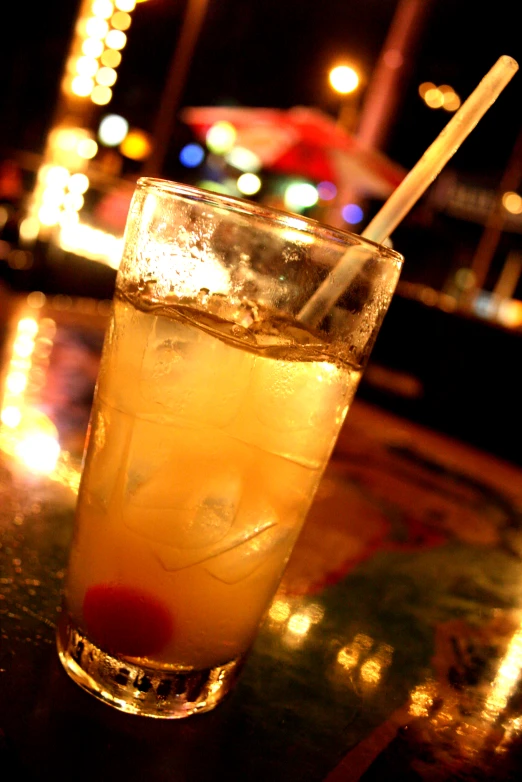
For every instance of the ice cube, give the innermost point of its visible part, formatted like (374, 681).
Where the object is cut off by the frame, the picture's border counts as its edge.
(214, 514)
(294, 409)
(152, 445)
(240, 561)
(193, 375)
(183, 518)
(292, 396)
(123, 355)
(187, 493)
(173, 558)
(110, 436)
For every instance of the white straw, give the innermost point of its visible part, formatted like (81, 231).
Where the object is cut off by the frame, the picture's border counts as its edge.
(412, 186)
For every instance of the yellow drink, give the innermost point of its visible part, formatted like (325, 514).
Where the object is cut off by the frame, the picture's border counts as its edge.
(215, 414)
(204, 458)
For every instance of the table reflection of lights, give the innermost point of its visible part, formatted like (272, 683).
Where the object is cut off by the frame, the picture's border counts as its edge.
(422, 698)
(394, 644)
(485, 721)
(296, 621)
(26, 432)
(357, 657)
(280, 611)
(506, 680)
(32, 436)
(372, 669)
(349, 655)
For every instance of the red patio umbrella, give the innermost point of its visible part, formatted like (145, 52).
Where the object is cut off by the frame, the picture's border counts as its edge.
(303, 142)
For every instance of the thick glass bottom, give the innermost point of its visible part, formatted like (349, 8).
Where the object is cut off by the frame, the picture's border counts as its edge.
(143, 690)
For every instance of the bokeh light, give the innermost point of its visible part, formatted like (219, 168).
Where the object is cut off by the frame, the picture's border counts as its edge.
(87, 148)
(56, 176)
(36, 300)
(344, 79)
(29, 229)
(115, 39)
(65, 139)
(101, 95)
(191, 155)
(23, 346)
(243, 159)
(53, 196)
(39, 451)
(73, 201)
(82, 86)
(465, 278)
(106, 76)
(16, 382)
(67, 218)
(136, 145)
(27, 326)
(451, 102)
(102, 8)
(434, 98)
(485, 305)
(326, 190)
(11, 416)
(112, 130)
(512, 203)
(96, 28)
(92, 47)
(352, 214)
(450, 99)
(220, 137)
(86, 66)
(99, 35)
(424, 87)
(510, 313)
(248, 184)
(48, 215)
(121, 20)
(78, 183)
(443, 97)
(110, 58)
(300, 195)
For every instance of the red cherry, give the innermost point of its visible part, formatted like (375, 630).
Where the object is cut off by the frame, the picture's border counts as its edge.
(124, 620)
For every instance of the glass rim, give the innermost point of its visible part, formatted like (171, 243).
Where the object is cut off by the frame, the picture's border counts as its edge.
(306, 225)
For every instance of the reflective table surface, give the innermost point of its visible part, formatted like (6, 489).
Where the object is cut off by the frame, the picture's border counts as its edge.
(393, 649)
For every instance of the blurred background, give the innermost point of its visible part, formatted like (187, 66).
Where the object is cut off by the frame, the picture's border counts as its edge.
(317, 108)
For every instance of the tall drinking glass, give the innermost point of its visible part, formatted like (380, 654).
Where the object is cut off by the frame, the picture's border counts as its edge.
(215, 413)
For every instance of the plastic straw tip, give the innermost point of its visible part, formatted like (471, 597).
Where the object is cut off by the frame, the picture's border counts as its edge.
(509, 62)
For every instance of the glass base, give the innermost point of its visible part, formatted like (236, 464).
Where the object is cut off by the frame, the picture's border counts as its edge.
(143, 690)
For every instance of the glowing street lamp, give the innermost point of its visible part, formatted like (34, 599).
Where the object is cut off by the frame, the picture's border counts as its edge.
(345, 80)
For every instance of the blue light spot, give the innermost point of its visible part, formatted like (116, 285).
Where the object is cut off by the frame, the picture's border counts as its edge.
(352, 214)
(191, 155)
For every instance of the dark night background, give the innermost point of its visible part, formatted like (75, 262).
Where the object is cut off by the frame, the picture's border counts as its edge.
(273, 53)
(277, 53)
